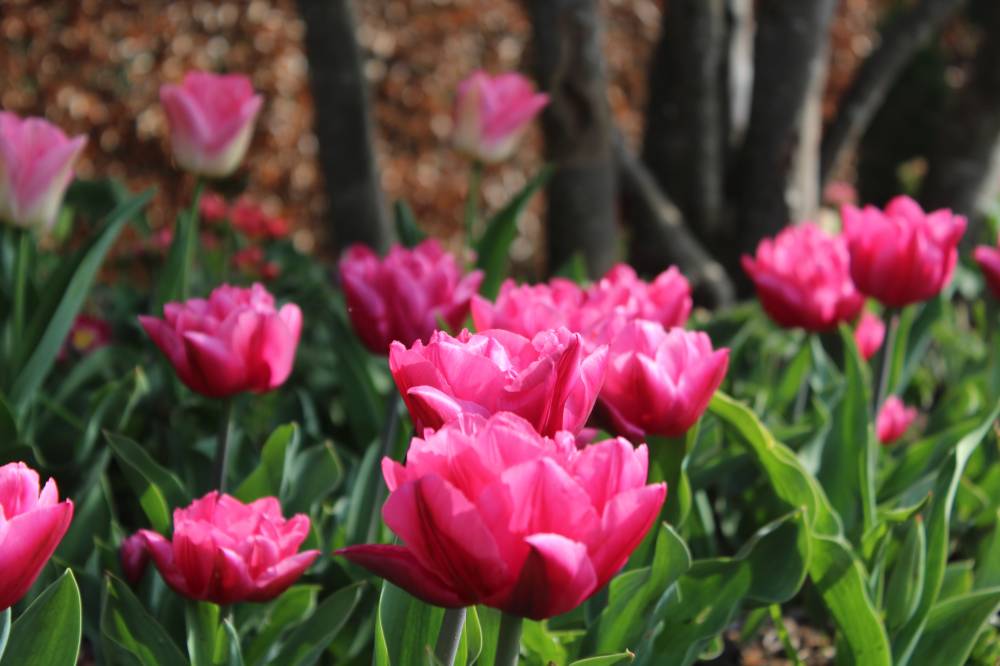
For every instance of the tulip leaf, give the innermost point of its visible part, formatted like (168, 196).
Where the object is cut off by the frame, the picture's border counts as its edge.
(267, 480)
(203, 632)
(906, 581)
(233, 641)
(792, 378)
(176, 277)
(310, 639)
(364, 497)
(285, 612)
(404, 627)
(61, 301)
(317, 472)
(489, 626)
(779, 556)
(952, 627)
(410, 234)
(923, 457)
(605, 660)
(8, 425)
(988, 562)
(473, 636)
(48, 632)
(362, 402)
(126, 625)
(157, 488)
(4, 630)
(493, 248)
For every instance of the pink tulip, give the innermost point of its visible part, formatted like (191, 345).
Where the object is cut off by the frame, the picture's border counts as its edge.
(894, 419)
(492, 112)
(839, 193)
(87, 335)
(233, 342)
(405, 296)
(902, 255)
(211, 120)
(492, 513)
(869, 334)
(988, 259)
(666, 300)
(32, 524)
(530, 309)
(134, 558)
(659, 382)
(803, 278)
(550, 380)
(36, 167)
(226, 552)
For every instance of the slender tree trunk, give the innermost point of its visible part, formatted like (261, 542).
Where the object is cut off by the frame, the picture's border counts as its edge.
(343, 123)
(804, 180)
(578, 132)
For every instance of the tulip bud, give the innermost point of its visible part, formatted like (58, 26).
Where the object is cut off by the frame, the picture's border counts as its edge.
(869, 334)
(894, 419)
(134, 558)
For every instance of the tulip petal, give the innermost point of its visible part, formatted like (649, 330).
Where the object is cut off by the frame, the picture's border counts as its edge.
(557, 576)
(282, 575)
(29, 541)
(624, 523)
(220, 370)
(398, 566)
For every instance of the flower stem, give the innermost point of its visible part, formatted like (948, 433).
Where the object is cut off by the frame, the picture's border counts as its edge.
(509, 640)
(22, 241)
(450, 636)
(472, 203)
(191, 240)
(888, 350)
(222, 447)
(786, 640)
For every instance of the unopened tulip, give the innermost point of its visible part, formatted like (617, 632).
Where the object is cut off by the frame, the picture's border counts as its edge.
(894, 419)
(659, 382)
(869, 334)
(406, 295)
(36, 167)
(134, 558)
(901, 255)
(232, 342)
(492, 112)
(988, 258)
(32, 524)
(530, 309)
(803, 278)
(211, 118)
(226, 552)
(550, 379)
(490, 512)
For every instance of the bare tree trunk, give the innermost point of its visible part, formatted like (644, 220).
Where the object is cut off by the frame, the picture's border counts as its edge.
(343, 123)
(578, 132)
(899, 42)
(739, 71)
(804, 182)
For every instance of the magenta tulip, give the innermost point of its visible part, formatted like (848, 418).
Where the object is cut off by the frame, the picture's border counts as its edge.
(659, 382)
(530, 309)
(32, 524)
(988, 258)
(211, 118)
(666, 300)
(233, 342)
(550, 379)
(134, 556)
(36, 167)
(490, 512)
(869, 334)
(492, 112)
(894, 419)
(225, 551)
(803, 278)
(902, 255)
(405, 296)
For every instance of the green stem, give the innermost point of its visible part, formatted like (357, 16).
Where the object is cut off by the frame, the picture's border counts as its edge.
(22, 239)
(509, 640)
(223, 445)
(191, 238)
(472, 203)
(667, 456)
(786, 640)
(892, 316)
(450, 636)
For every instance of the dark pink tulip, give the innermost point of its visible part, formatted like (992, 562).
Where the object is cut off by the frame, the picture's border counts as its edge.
(36, 167)
(492, 513)
(492, 112)
(233, 342)
(869, 334)
(894, 419)
(211, 118)
(803, 278)
(530, 309)
(988, 258)
(87, 335)
(902, 255)
(659, 382)
(226, 552)
(550, 379)
(134, 558)
(405, 296)
(32, 524)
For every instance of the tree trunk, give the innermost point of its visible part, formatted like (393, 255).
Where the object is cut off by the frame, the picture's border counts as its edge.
(343, 123)
(578, 132)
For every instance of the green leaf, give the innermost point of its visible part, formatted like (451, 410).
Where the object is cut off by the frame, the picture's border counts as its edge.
(792, 378)
(202, 619)
(157, 488)
(48, 632)
(473, 635)
(952, 628)
(61, 301)
(174, 281)
(493, 248)
(233, 641)
(988, 562)
(410, 234)
(317, 472)
(605, 660)
(540, 645)
(4, 630)
(363, 497)
(405, 627)
(921, 458)
(311, 638)
(779, 556)
(125, 622)
(362, 402)
(267, 480)
(489, 624)
(285, 612)
(8, 425)
(906, 582)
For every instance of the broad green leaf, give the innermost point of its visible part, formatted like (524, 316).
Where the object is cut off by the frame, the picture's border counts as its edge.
(125, 622)
(268, 478)
(235, 653)
(314, 473)
(362, 402)
(176, 276)
(48, 632)
(405, 627)
(203, 632)
(285, 612)
(363, 498)
(922, 457)
(4, 629)
(489, 624)
(606, 660)
(310, 639)
(792, 378)
(779, 556)
(158, 489)
(988, 562)
(410, 234)
(473, 635)
(906, 582)
(952, 627)
(540, 645)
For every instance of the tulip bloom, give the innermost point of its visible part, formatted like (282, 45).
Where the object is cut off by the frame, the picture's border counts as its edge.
(225, 551)
(134, 558)
(659, 382)
(492, 513)
(666, 300)
(803, 278)
(492, 112)
(530, 309)
(894, 419)
(902, 255)
(87, 335)
(233, 342)
(550, 380)
(406, 295)
(869, 334)
(988, 259)
(211, 120)
(32, 524)
(36, 167)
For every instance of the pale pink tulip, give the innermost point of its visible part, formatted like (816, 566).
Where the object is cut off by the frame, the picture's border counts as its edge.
(492, 112)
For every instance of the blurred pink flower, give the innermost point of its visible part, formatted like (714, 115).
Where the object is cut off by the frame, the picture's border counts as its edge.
(894, 419)
(869, 334)
(87, 335)
(988, 258)
(492, 112)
